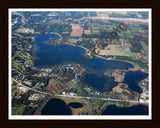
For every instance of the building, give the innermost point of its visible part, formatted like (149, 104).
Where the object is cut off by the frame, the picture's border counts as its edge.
(34, 97)
(23, 89)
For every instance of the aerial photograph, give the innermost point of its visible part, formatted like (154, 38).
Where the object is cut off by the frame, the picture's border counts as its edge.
(79, 63)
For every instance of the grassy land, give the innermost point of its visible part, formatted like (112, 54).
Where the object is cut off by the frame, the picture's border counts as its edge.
(123, 76)
(19, 66)
(14, 87)
(93, 24)
(129, 35)
(117, 74)
(99, 106)
(23, 55)
(18, 110)
(117, 89)
(131, 54)
(23, 58)
(145, 46)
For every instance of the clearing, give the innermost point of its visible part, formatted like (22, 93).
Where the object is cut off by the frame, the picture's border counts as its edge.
(77, 30)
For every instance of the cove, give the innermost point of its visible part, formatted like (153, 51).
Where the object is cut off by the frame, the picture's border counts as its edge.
(56, 107)
(134, 110)
(133, 79)
(100, 82)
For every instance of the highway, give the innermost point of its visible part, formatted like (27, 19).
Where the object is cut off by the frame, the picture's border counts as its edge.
(107, 99)
(121, 19)
(70, 96)
(32, 88)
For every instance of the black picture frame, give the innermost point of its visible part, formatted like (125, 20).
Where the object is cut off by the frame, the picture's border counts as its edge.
(153, 4)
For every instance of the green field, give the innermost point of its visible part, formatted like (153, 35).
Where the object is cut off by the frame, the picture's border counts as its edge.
(131, 54)
(93, 24)
(145, 46)
(23, 55)
(23, 58)
(18, 66)
(18, 110)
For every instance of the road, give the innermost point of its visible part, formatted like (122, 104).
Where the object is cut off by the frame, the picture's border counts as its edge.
(31, 88)
(122, 19)
(105, 99)
(131, 101)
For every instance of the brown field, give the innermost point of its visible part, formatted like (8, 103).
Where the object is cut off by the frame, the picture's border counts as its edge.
(69, 84)
(117, 89)
(54, 86)
(57, 86)
(119, 12)
(96, 32)
(124, 93)
(118, 76)
(87, 32)
(74, 40)
(112, 50)
(77, 30)
(76, 111)
(102, 14)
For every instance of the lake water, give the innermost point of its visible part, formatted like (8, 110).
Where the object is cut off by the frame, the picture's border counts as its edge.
(134, 110)
(100, 82)
(133, 79)
(50, 55)
(56, 107)
(75, 105)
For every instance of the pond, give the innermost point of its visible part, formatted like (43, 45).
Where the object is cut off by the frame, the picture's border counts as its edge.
(134, 110)
(75, 105)
(56, 107)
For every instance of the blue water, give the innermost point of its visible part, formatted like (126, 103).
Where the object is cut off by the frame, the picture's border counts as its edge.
(133, 79)
(100, 82)
(50, 55)
(56, 107)
(75, 105)
(134, 110)
(41, 38)
(100, 65)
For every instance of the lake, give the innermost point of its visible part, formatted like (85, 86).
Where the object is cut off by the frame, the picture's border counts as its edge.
(50, 55)
(56, 107)
(134, 110)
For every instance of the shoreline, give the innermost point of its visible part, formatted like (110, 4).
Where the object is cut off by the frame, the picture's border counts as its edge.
(135, 68)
